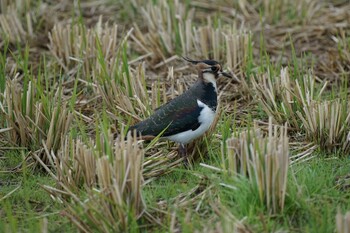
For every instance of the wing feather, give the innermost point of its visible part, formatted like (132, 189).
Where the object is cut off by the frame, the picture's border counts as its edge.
(177, 116)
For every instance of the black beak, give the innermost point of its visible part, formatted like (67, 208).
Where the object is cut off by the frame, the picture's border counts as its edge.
(225, 74)
(234, 78)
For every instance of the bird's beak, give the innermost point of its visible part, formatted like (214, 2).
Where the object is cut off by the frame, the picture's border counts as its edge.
(234, 78)
(225, 74)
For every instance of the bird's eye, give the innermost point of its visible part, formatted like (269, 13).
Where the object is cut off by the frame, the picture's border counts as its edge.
(215, 68)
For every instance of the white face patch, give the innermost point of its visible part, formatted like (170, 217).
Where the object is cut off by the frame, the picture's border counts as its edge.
(206, 118)
(209, 77)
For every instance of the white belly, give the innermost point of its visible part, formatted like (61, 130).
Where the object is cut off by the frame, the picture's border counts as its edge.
(205, 119)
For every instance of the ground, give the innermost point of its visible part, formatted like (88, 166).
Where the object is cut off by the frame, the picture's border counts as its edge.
(77, 74)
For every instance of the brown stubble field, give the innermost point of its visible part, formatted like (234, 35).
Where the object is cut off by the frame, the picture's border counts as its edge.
(76, 74)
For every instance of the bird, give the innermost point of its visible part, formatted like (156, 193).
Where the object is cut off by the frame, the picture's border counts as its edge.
(189, 115)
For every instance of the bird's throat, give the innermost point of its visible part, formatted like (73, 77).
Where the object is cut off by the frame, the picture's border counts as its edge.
(210, 78)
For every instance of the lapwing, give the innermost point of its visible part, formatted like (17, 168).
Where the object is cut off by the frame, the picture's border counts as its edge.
(189, 115)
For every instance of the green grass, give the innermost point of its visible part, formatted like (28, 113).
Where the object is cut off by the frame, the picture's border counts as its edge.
(319, 195)
(312, 201)
(311, 204)
(29, 205)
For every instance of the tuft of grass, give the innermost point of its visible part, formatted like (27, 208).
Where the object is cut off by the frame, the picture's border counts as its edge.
(282, 96)
(125, 93)
(264, 160)
(298, 102)
(13, 29)
(327, 123)
(222, 43)
(343, 42)
(163, 23)
(34, 116)
(76, 46)
(111, 174)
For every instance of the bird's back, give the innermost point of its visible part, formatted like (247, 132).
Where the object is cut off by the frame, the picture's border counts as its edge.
(180, 114)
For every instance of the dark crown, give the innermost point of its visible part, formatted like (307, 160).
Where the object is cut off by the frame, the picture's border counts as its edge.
(208, 66)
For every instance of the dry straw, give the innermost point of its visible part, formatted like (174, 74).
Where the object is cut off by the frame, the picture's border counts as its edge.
(109, 177)
(343, 222)
(16, 21)
(297, 102)
(33, 118)
(14, 28)
(162, 26)
(327, 123)
(76, 45)
(282, 96)
(18, 5)
(128, 96)
(171, 32)
(264, 160)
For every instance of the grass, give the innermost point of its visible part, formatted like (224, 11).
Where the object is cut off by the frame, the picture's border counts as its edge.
(309, 204)
(76, 76)
(24, 204)
(322, 198)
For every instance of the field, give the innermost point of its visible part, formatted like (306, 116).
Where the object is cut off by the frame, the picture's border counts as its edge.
(76, 74)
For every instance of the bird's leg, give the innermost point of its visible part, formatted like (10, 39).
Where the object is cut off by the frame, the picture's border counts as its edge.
(182, 150)
(183, 153)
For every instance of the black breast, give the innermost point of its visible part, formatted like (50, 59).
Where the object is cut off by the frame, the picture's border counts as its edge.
(206, 93)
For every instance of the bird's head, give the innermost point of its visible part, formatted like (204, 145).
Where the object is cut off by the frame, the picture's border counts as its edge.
(209, 70)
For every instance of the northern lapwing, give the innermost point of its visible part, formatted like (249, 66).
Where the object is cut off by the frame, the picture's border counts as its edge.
(189, 115)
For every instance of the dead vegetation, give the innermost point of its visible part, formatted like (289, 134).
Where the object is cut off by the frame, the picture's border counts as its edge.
(76, 45)
(343, 222)
(172, 32)
(264, 160)
(110, 173)
(299, 102)
(36, 120)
